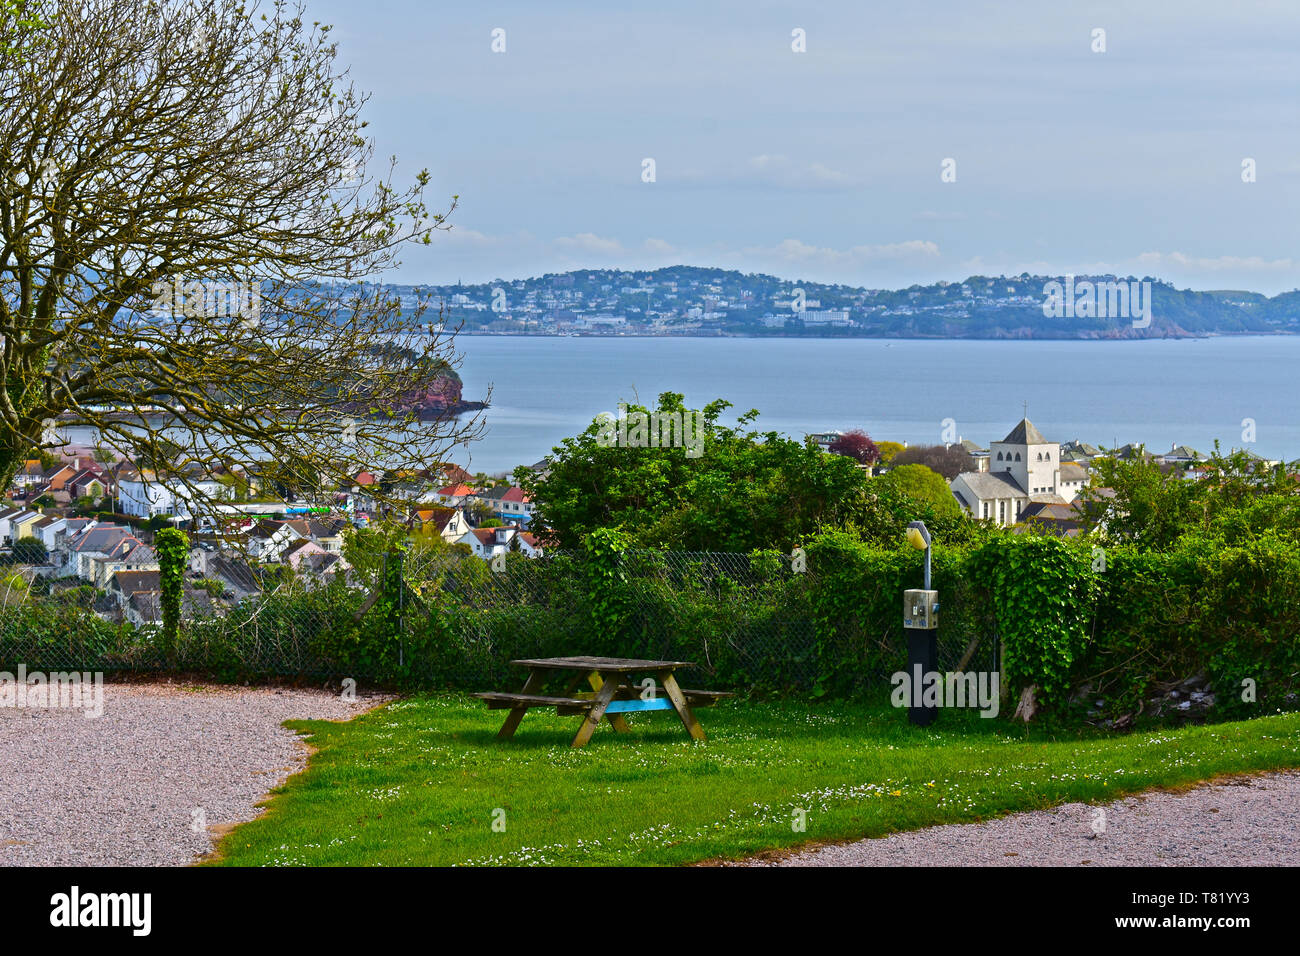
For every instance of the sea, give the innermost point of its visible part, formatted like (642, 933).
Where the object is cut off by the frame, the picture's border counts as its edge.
(1242, 390)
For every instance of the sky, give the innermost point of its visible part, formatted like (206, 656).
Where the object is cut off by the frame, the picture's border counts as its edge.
(827, 164)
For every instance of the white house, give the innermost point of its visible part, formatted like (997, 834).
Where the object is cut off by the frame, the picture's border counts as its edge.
(96, 541)
(489, 542)
(449, 523)
(282, 539)
(21, 525)
(6, 522)
(989, 494)
(824, 440)
(30, 475)
(130, 555)
(1182, 455)
(71, 529)
(144, 494)
(47, 530)
(453, 496)
(1028, 457)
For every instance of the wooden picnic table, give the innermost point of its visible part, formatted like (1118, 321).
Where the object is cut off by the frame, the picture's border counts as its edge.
(612, 693)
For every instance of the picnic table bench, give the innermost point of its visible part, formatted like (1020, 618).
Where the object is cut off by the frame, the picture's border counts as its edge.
(612, 693)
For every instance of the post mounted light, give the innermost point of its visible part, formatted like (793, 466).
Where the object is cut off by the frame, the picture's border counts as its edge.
(920, 619)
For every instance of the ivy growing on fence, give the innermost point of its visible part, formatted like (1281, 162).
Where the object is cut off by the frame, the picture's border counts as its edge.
(1043, 596)
(173, 550)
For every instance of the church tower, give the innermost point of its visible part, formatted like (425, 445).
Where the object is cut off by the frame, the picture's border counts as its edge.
(1029, 458)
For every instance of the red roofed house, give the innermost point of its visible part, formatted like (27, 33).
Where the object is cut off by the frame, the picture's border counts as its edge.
(455, 495)
(56, 478)
(509, 503)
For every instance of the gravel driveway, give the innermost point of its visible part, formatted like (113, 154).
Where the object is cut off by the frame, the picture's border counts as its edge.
(145, 783)
(1241, 821)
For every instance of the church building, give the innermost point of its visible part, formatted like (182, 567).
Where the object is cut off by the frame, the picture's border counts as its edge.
(1024, 467)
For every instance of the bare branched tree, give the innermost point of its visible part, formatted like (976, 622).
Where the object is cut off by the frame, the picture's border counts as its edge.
(191, 234)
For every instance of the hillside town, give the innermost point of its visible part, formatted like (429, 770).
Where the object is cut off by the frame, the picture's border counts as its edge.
(686, 300)
(85, 525)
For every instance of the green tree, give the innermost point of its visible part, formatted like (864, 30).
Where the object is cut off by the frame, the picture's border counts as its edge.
(1137, 501)
(1237, 498)
(213, 587)
(30, 551)
(190, 226)
(745, 490)
(13, 590)
(888, 449)
(21, 35)
(365, 548)
(925, 487)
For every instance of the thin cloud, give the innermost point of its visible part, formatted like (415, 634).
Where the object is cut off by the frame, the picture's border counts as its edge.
(772, 171)
(588, 243)
(1217, 265)
(797, 251)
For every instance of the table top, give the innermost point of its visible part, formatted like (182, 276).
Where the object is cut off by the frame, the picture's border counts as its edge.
(617, 665)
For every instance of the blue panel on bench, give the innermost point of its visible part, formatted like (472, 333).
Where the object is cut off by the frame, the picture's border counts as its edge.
(626, 706)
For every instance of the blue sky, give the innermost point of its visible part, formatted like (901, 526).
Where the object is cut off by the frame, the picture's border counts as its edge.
(825, 165)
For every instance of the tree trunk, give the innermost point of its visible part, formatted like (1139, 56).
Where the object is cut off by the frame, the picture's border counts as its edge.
(1028, 706)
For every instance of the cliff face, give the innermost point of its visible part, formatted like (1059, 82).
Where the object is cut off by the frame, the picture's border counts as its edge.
(440, 395)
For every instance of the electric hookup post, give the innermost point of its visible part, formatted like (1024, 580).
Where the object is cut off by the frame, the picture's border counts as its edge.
(920, 618)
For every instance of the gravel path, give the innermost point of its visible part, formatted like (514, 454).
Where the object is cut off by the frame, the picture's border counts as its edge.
(137, 785)
(1241, 821)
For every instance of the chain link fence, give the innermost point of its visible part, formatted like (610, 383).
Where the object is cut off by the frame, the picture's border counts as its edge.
(435, 618)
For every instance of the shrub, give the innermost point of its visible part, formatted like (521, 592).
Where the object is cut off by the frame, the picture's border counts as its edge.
(30, 551)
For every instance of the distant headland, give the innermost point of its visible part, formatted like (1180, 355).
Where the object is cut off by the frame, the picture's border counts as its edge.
(690, 300)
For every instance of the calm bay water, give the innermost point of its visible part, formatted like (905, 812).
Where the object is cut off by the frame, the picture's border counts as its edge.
(1161, 392)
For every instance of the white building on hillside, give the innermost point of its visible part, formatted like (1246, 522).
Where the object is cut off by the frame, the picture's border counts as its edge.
(145, 494)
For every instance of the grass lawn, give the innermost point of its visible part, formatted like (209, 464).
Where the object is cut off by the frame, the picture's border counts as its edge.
(420, 782)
